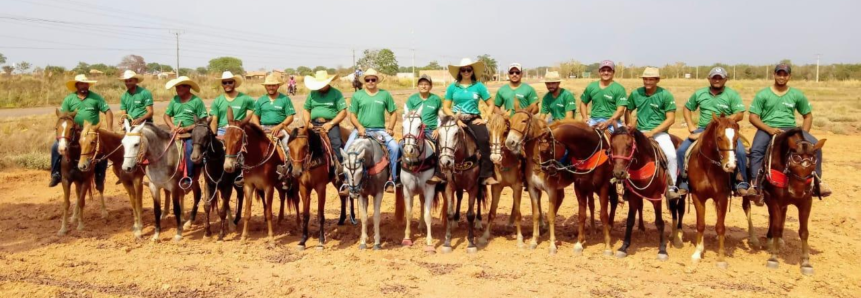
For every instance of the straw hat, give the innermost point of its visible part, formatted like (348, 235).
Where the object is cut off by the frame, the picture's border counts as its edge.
(227, 75)
(183, 80)
(372, 72)
(651, 72)
(319, 80)
(552, 77)
(272, 79)
(131, 74)
(81, 78)
(477, 67)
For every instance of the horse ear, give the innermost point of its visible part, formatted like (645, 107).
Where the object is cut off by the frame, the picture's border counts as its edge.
(819, 144)
(294, 132)
(59, 113)
(97, 126)
(343, 153)
(715, 116)
(196, 118)
(126, 125)
(506, 116)
(793, 144)
(230, 118)
(73, 114)
(419, 111)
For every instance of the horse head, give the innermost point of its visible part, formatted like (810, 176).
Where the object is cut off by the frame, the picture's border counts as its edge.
(725, 133)
(623, 146)
(201, 138)
(800, 163)
(65, 130)
(132, 145)
(413, 131)
(234, 142)
(354, 164)
(521, 126)
(89, 142)
(300, 152)
(497, 128)
(450, 135)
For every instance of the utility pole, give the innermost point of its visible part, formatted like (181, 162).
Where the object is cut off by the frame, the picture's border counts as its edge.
(177, 33)
(354, 61)
(733, 72)
(698, 72)
(412, 41)
(817, 68)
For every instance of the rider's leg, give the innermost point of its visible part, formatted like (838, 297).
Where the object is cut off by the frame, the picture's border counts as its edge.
(101, 170)
(761, 140)
(666, 144)
(352, 138)
(823, 190)
(482, 138)
(437, 174)
(741, 168)
(285, 139)
(394, 153)
(55, 165)
(189, 165)
(680, 156)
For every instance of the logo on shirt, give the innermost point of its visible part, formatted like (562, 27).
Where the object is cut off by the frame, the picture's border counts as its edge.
(654, 105)
(277, 107)
(519, 95)
(789, 104)
(188, 111)
(474, 95)
(608, 96)
(560, 105)
(137, 101)
(329, 103)
(720, 105)
(379, 102)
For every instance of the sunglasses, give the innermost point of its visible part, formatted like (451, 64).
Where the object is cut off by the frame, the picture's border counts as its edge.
(466, 70)
(228, 82)
(514, 72)
(370, 80)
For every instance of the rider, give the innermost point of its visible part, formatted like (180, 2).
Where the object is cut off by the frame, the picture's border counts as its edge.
(136, 102)
(430, 105)
(515, 92)
(558, 103)
(325, 108)
(656, 112)
(291, 84)
(714, 100)
(772, 112)
(88, 105)
(463, 97)
(181, 112)
(274, 112)
(368, 114)
(242, 105)
(607, 98)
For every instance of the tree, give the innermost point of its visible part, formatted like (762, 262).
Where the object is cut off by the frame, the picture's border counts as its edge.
(222, 64)
(201, 70)
(490, 68)
(185, 71)
(368, 60)
(54, 70)
(2, 59)
(7, 69)
(433, 65)
(166, 68)
(304, 71)
(331, 70)
(23, 66)
(319, 68)
(82, 67)
(133, 62)
(571, 68)
(383, 61)
(289, 71)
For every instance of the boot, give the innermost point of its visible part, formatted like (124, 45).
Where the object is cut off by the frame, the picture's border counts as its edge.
(823, 190)
(673, 193)
(55, 179)
(489, 181)
(436, 179)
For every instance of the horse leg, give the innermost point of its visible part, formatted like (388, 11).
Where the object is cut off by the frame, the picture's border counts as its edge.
(156, 207)
(408, 215)
(321, 214)
(429, 194)
(536, 216)
(542, 217)
(752, 239)
(79, 207)
(803, 216)
(634, 205)
(363, 215)
(593, 226)
(378, 202)
(343, 217)
(137, 207)
(470, 217)
(63, 219)
(495, 191)
(582, 204)
(305, 192)
(659, 223)
(641, 226)
(480, 199)
(459, 194)
(104, 208)
(269, 199)
(773, 223)
(551, 218)
(282, 197)
(209, 193)
(607, 215)
(249, 190)
(177, 212)
(192, 216)
(720, 228)
(167, 203)
(701, 227)
(240, 200)
(448, 195)
(675, 229)
(614, 202)
(515, 212)
(224, 211)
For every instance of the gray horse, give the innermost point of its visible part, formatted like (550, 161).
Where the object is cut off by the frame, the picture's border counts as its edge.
(367, 169)
(418, 165)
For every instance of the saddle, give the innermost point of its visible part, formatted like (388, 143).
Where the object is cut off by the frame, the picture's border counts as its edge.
(661, 157)
(427, 163)
(684, 174)
(384, 162)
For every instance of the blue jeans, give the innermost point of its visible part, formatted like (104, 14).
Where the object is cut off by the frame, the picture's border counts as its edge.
(760, 145)
(740, 155)
(596, 121)
(391, 145)
(187, 148)
(100, 168)
(220, 131)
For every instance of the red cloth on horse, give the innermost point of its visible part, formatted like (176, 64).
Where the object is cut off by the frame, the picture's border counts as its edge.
(778, 179)
(596, 160)
(643, 173)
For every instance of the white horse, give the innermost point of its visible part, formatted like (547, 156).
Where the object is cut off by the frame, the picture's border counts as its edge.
(367, 173)
(418, 163)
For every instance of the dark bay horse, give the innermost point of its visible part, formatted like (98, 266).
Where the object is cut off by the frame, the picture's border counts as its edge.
(459, 159)
(67, 132)
(588, 169)
(790, 166)
(98, 144)
(208, 153)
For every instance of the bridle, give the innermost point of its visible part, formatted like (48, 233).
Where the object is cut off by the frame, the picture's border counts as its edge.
(446, 150)
(524, 134)
(418, 140)
(795, 159)
(96, 150)
(496, 147)
(304, 163)
(720, 151)
(351, 169)
(239, 155)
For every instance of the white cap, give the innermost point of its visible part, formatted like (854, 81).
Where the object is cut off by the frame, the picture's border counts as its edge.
(515, 65)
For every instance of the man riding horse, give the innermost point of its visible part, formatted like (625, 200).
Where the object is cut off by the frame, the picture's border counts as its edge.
(607, 98)
(136, 102)
(88, 105)
(324, 109)
(242, 105)
(274, 112)
(430, 105)
(181, 112)
(558, 103)
(516, 93)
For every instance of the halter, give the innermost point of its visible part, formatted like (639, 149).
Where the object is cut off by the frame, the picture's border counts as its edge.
(96, 151)
(304, 163)
(630, 183)
(269, 148)
(524, 133)
(355, 189)
(451, 152)
(72, 130)
(720, 151)
(419, 139)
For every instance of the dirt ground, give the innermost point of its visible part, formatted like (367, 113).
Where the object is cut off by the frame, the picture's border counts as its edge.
(105, 260)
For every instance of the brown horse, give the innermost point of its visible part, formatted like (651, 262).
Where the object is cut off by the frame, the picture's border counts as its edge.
(640, 168)
(67, 132)
(459, 159)
(790, 166)
(710, 169)
(588, 169)
(98, 144)
(311, 165)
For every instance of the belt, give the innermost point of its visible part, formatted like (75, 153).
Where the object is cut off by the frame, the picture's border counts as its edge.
(321, 120)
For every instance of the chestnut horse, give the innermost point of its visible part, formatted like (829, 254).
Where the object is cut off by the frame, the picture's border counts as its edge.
(586, 147)
(67, 138)
(790, 167)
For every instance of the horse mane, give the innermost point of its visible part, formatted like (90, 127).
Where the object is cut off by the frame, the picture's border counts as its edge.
(497, 123)
(781, 143)
(255, 129)
(315, 144)
(158, 132)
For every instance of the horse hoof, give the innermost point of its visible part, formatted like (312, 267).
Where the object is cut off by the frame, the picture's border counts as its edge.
(430, 249)
(154, 238)
(608, 252)
(187, 225)
(677, 243)
(553, 250)
(722, 265)
(104, 214)
(663, 257)
(521, 245)
(482, 240)
(320, 247)
(471, 250)
(533, 245)
(363, 246)
(62, 232)
(300, 247)
(177, 238)
(407, 242)
(772, 264)
(621, 254)
(377, 247)
(807, 270)
(231, 227)
(446, 249)
(80, 227)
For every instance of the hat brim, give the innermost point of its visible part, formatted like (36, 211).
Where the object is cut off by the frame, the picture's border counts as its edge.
(552, 81)
(380, 78)
(71, 84)
(269, 84)
(236, 78)
(477, 68)
(137, 76)
(313, 84)
(194, 86)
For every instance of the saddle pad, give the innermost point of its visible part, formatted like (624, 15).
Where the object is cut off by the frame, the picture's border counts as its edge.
(662, 157)
(688, 156)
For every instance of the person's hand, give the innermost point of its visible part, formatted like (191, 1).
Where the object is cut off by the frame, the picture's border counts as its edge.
(390, 131)
(649, 134)
(136, 121)
(461, 124)
(692, 129)
(326, 127)
(361, 131)
(276, 129)
(694, 136)
(478, 121)
(176, 129)
(435, 134)
(603, 125)
(775, 131)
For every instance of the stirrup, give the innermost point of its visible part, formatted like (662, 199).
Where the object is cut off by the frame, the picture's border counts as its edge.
(386, 186)
(185, 183)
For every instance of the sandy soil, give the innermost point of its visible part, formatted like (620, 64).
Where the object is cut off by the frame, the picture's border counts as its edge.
(105, 260)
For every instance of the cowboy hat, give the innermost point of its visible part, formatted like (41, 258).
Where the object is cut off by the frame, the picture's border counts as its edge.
(81, 78)
(319, 80)
(131, 74)
(272, 79)
(227, 75)
(183, 80)
(372, 72)
(477, 67)
(651, 72)
(552, 77)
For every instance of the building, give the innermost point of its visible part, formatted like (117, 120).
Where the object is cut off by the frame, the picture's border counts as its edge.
(439, 77)
(255, 75)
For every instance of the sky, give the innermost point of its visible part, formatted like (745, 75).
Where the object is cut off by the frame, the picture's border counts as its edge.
(272, 34)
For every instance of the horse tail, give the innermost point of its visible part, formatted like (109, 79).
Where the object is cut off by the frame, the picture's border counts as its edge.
(400, 205)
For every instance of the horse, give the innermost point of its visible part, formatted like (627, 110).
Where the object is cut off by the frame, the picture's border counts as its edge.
(357, 84)
(67, 132)
(509, 168)
(366, 166)
(459, 160)
(639, 167)
(98, 144)
(145, 144)
(208, 152)
(790, 169)
(588, 170)
(418, 164)
(711, 165)
(311, 166)
(249, 143)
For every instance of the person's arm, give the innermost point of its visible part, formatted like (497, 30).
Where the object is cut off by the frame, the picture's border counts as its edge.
(109, 117)
(737, 117)
(148, 115)
(689, 120)
(338, 118)
(569, 115)
(169, 121)
(630, 119)
(533, 108)
(393, 120)
(757, 122)
(287, 121)
(446, 109)
(807, 123)
(497, 102)
(306, 115)
(664, 126)
(213, 122)
(248, 115)
(582, 107)
(357, 125)
(255, 120)
(122, 116)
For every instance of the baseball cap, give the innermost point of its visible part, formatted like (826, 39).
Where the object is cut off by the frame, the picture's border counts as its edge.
(608, 63)
(784, 67)
(426, 78)
(718, 71)
(515, 65)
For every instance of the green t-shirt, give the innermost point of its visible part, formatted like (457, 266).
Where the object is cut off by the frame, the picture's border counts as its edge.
(727, 102)
(272, 112)
(466, 99)
(524, 94)
(558, 106)
(430, 108)
(651, 110)
(135, 104)
(241, 105)
(325, 106)
(779, 111)
(183, 113)
(604, 101)
(88, 108)
(371, 109)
